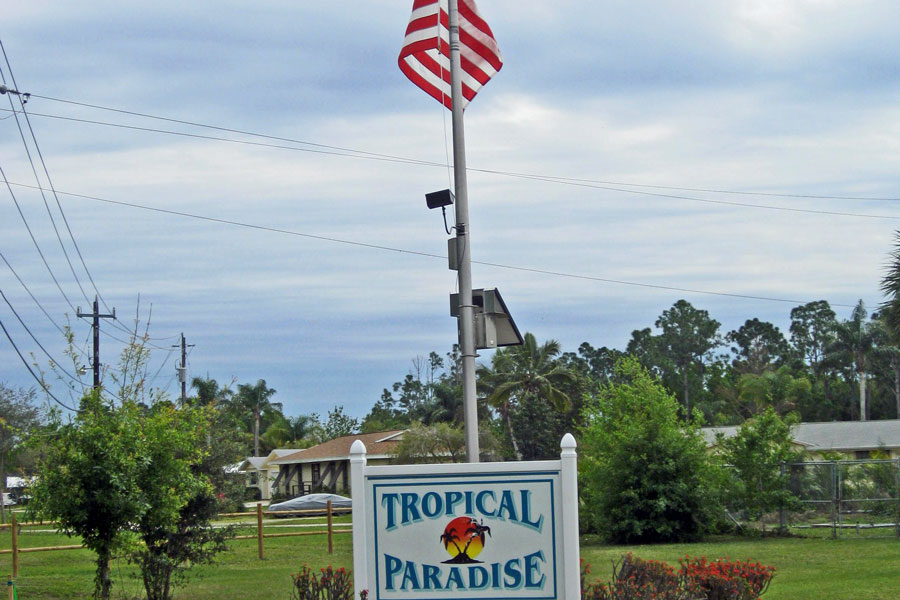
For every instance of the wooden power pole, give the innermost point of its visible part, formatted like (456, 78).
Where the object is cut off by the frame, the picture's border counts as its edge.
(95, 325)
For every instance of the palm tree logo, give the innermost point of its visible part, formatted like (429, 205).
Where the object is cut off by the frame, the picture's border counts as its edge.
(464, 539)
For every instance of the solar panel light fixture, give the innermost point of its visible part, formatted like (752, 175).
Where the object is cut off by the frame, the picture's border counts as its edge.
(494, 326)
(439, 199)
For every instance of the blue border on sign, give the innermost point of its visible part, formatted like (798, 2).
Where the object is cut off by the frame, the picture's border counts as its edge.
(485, 478)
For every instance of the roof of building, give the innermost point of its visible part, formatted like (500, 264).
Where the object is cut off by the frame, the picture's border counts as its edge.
(13, 482)
(377, 445)
(260, 463)
(282, 452)
(252, 462)
(838, 436)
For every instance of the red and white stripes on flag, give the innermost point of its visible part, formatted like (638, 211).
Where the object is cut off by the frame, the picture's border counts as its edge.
(425, 56)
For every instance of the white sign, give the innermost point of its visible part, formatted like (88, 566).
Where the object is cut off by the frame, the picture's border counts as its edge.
(474, 531)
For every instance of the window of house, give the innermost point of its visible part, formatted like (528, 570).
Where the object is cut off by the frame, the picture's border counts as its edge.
(315, 473)
(862, 454)
(254, 477)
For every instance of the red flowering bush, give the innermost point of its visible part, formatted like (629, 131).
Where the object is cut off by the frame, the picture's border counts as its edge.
(306, 585)
(724, 579)
(636, 579)
(330, 584)
(697, 579)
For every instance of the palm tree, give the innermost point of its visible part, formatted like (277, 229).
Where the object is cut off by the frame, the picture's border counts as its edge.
(890, 317)
(890, 287)
(254, 400)
(290, 432)
(886, 355)
(524, 370)
(853, 346)
(208, 391)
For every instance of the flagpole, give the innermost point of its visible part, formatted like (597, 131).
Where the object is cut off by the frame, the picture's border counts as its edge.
(466, 320)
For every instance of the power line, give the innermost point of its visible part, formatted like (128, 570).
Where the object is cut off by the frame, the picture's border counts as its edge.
(36, 378)
(597, 186)
(53, 361)
(165, 360)
(39, 305)
(542, 178)
(429, 163)
(47, 265)
(37, 179)
(52, 188)
(425, 254)
(34, 240)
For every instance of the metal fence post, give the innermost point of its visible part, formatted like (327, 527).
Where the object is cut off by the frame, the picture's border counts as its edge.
(897, 493)
(840, 499)
(834, 500)
(782, 521)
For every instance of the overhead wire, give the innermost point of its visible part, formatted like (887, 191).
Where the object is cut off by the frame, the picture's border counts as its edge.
(163, 364)
(424, 254)
(53, 191)
(62, 213)
(36, 301)
(41, 346)
(358, 154)
(34, 240)
(429, 163)
(30, 370)
(34, 169)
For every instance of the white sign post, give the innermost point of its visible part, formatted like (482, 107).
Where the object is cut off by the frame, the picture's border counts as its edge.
(475, 531)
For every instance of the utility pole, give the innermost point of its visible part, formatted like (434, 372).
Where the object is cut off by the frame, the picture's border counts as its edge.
(466, 319)
(182, 370)
(95, 326)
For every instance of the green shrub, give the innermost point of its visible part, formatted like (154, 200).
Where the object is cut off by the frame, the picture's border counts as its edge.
(645, 474)
(757, 452)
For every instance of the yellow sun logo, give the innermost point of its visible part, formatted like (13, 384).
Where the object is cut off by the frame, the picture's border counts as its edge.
(464, 539)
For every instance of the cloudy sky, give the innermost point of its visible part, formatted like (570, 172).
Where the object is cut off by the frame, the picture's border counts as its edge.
(744, 153)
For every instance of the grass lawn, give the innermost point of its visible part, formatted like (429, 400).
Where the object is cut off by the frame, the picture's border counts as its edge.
(821, 569)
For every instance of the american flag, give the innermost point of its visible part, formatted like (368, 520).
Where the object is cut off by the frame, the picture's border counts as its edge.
(425, 56)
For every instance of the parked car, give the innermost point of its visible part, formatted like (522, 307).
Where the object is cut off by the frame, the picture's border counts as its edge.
(317, 502)
(8, 499)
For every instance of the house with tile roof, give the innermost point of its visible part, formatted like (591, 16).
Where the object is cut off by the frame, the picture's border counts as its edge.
(326, 467)
(260, 473)
(854, 439)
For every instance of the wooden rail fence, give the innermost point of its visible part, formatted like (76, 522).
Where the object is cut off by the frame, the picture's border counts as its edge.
(259, 512)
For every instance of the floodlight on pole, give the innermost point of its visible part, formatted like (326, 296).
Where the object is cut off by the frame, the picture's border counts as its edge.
(441, 199)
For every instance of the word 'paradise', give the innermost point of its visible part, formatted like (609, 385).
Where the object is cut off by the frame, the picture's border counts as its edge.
(512, 575)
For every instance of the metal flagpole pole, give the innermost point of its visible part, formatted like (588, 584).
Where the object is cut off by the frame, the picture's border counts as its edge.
(466, 321)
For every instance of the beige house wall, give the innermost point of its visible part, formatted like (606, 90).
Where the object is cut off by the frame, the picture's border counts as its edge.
(306, 470)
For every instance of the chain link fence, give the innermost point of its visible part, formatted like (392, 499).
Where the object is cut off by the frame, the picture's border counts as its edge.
(843, 497)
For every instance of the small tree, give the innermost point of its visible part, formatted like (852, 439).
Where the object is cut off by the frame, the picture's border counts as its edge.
(339, 424)
(756, 453)
(440, 443)
(117, 475)
(175, 529)
(89, 479)
(644, 472)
